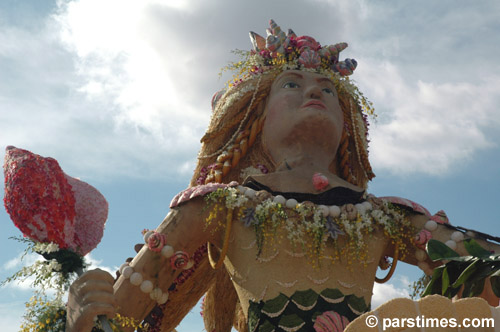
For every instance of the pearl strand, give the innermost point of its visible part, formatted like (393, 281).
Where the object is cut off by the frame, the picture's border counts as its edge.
(178, 260)
(146, 286)
(291, 203)
(455, 237)
(421, 255)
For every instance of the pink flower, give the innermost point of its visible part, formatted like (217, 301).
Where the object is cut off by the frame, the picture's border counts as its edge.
(330, 321)
(422, 238)
(262, 168)
(156, 241)
(265, 54)
(320, 181)
(91, 213)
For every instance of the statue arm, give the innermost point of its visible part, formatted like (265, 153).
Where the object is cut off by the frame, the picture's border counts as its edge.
(185, 230)
(442, 233)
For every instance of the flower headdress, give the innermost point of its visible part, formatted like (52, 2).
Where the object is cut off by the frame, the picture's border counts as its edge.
(238, 110)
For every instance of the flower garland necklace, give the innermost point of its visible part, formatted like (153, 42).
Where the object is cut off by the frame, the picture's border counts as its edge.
(309, 226)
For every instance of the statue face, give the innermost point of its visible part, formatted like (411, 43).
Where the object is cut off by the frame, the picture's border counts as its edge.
(303, 115)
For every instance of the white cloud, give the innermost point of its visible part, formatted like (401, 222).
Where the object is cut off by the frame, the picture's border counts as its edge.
(385, 292)
(21, 260)
(97, 264)
(102, 102)
(123, 64)
(11, 315)
(428, 127)
(122, 93)
(17, 263)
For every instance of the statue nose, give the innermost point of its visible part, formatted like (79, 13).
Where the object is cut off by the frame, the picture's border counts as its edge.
(314, 92)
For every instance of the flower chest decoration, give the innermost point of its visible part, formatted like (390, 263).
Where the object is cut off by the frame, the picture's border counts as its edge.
(307, 226)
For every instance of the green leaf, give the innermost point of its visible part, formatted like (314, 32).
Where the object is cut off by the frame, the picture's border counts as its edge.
(475, 248)
(475, 283)
(357, 303)
(446, 281)
(495, 284)
(492, 258)
(275, 305)
(306, 298)
(484, 270)
(291, 322)
(435, 281)
(466, 274)
(438, 250)
(477, 287)
(496, 273)
(467, 289)
(452, 292)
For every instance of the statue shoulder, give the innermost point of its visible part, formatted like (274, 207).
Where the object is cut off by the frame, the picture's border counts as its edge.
(407, 203)
(197, 191)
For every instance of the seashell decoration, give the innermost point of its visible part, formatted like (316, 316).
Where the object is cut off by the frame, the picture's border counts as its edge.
(258, 42)
(330, 321)
(331, 52)
(309, 59)
(346, 67)
(179, 260)
(310, 51)
(440, 217)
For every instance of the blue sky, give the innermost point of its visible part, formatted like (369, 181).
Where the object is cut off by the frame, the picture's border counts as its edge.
(119, 93)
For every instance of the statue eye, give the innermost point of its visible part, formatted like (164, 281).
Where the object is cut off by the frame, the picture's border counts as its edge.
(291, 85)
(328, 90)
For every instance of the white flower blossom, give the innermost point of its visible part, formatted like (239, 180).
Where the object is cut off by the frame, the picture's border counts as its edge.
(45, 248)
(234, 198)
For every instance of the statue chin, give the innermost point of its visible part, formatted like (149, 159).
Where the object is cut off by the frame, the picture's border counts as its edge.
(310, 137)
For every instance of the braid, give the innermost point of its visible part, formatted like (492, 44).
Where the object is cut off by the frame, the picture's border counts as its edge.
(245, 139)
(344, 156)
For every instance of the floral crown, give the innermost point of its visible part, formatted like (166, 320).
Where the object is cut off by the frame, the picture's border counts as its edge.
(279, 51)
(304, 49)
(233, 130)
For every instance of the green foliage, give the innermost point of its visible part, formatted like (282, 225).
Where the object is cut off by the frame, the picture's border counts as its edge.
(43, 315)
(467, 271)
(418, 287)
(55, 272)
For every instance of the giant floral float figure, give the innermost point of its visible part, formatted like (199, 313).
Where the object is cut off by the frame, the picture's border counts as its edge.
(276, 227)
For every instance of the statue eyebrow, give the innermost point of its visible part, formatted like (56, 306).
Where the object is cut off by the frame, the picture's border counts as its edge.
(324, 79)
(292, 74)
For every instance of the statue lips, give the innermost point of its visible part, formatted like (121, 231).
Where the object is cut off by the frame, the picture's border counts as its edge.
(315, 104)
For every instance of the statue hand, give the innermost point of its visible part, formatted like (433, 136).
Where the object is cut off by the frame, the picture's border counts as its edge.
(90, 295)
